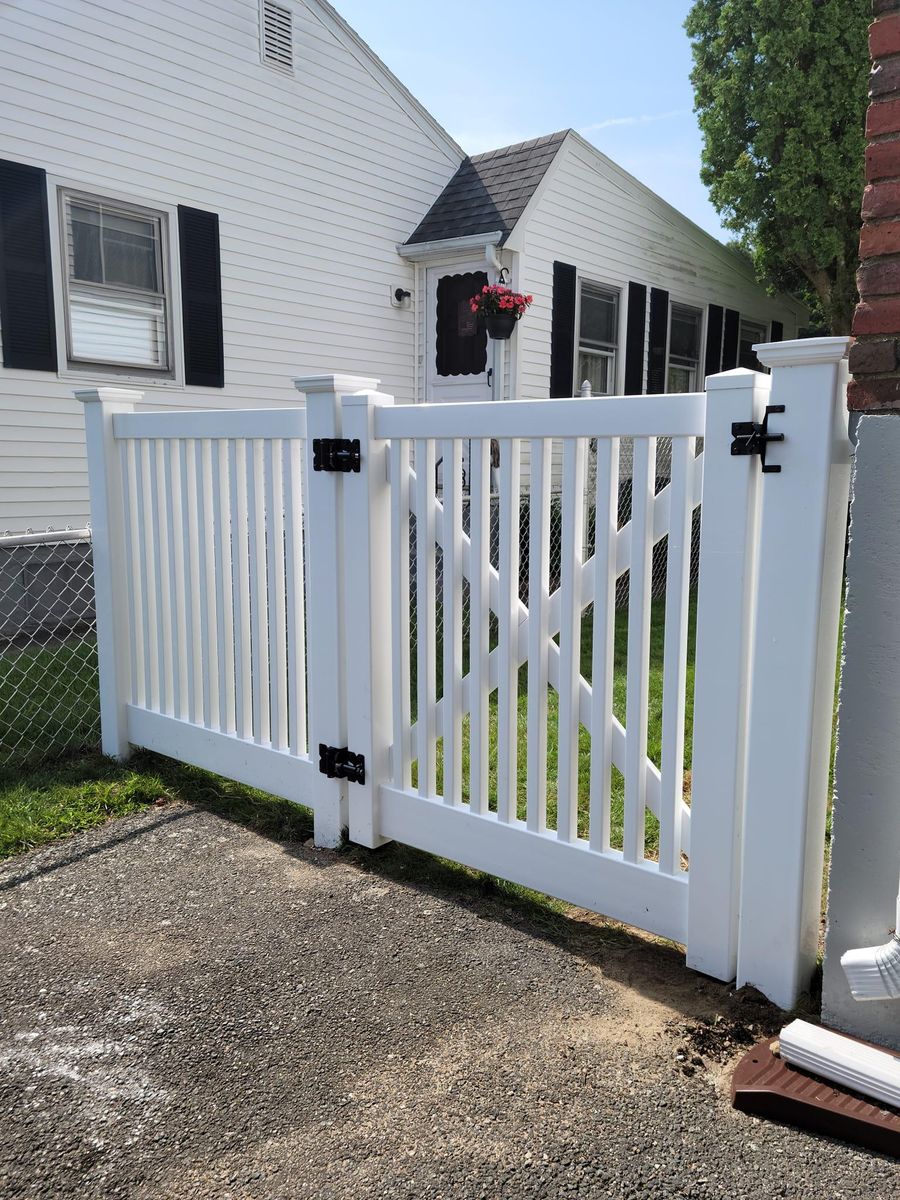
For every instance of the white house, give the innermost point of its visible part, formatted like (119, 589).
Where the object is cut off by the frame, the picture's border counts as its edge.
(204, 201)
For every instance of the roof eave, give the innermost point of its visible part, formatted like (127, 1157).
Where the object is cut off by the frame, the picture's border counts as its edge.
(443, 247)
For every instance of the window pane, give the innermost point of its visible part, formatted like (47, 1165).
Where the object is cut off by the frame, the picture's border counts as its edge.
(684, 336)
(108, 328)
(595, 368)
(598, 316)
(129, 251)
(85, 262)
(680, 379)
(751, 334)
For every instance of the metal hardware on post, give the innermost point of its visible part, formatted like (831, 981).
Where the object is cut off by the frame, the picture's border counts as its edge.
(341, 763)
(752, 438)
(336, 454)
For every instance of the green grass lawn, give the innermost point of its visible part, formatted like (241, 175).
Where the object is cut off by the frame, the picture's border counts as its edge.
(70, 795)
(49, 701)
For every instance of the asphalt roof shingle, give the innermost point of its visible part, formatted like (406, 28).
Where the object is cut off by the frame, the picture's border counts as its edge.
(489, 192)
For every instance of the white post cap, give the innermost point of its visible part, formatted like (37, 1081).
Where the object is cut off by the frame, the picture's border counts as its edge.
(112, 394)
(802, 352)
(310, 385)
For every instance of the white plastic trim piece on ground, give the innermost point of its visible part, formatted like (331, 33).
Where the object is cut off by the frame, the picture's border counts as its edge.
(842, 1060)
(873, 972)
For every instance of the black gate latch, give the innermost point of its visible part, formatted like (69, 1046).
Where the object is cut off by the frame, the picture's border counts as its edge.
(750, 438)
(336, 454)
(341, 763)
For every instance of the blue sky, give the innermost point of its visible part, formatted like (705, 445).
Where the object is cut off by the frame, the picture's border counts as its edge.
(492, 74)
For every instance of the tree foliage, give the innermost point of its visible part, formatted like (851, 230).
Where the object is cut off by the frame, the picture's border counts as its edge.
(780, 90)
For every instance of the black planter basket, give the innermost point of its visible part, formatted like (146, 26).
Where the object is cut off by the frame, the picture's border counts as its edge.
(500, 325)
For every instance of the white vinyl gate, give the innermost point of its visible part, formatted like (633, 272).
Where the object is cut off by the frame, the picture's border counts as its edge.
(320, 602)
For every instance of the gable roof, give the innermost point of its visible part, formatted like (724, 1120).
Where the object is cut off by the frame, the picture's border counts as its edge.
(489, 192)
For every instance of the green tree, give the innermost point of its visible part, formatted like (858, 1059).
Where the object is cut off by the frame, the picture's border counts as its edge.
(780, 90)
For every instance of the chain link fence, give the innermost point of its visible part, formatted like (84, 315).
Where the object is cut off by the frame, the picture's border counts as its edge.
(49, 692)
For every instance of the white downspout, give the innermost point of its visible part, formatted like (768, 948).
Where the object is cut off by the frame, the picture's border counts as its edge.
(873, 972)
(494, 267)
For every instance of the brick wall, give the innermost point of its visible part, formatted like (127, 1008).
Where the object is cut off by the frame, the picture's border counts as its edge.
(875, 355)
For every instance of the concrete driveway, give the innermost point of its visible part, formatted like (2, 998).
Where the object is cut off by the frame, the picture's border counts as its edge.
(191, 1010)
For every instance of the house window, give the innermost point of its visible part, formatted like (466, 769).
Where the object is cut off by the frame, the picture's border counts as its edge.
(598, 335)
(752, 333)
(683, 373)
(117, 307)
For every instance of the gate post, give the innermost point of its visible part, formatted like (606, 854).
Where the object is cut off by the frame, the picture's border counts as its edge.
(722, 675)
(367, 611)
(325, 604)
(803, 523)
(107, 496)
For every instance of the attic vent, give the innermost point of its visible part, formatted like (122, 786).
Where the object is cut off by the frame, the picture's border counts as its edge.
(277, 36)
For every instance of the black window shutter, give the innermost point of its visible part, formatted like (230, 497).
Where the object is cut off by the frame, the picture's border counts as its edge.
(27, 322)
(562, 331)
(634, 339)
(659, 336)
(715, 318)
(777, 334)
(731, 339)
(201, 297)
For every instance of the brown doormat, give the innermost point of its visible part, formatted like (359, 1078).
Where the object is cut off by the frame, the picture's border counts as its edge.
(767, 1087)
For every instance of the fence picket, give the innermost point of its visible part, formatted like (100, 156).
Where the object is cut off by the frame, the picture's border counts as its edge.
(426, 671)
(192, 552)
(275, 580)
(259, 625)
(295, 595)
(507, 622)
(207, 519)
(571, 552)
(678, 577)
(173, 521)
(452, 621)
(134, 573)
(479, 622)
(149, 575)
(400, 549)
(223, 612)
(163, 589)
(603, 647)
(637, 687)
(538, 633)
(240, 586)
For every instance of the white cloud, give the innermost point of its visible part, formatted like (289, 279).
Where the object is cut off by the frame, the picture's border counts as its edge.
(643, 119)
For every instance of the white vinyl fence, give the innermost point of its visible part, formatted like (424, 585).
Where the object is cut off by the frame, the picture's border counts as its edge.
(298, 599)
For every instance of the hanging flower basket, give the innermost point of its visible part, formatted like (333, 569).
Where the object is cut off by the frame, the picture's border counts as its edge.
(500, 325)
(499, 308)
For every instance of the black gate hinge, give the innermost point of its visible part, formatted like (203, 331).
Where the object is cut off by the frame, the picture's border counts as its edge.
(336, 454)
(341, 763)
(751, 438)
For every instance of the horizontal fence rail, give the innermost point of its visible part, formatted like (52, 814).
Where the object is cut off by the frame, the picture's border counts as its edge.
(681, 415)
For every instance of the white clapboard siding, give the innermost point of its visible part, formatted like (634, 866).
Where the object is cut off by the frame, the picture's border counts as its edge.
(595, 216)
(169, 104)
